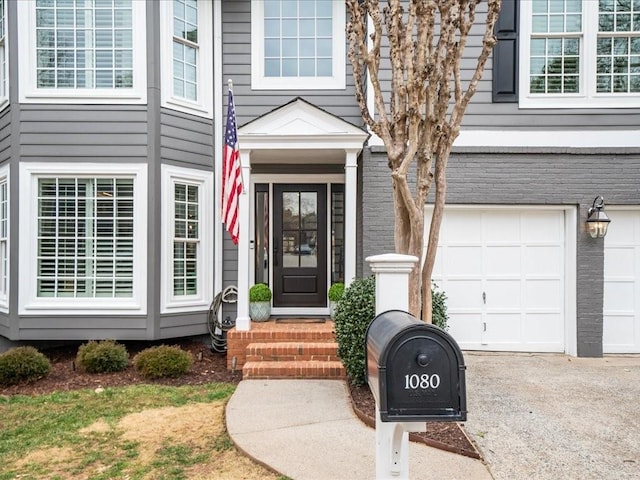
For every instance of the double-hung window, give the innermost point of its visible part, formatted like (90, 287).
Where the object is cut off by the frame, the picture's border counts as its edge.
(298, 44)
(83, 249)
(4, 239)
(72, 50)
(580, 53)
(187, 52)
(187, 239)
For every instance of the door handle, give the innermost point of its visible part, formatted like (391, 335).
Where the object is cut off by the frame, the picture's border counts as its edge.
(275, 251)
(484, 297)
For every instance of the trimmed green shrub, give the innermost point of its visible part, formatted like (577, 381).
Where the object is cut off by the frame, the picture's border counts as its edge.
(102, 356)
(22, 364)
(439, 314)
(336, 291)
(260, 292)
(354, 312)
(163, 361)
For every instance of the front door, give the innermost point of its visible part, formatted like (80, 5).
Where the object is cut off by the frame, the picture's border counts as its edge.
(299, 246)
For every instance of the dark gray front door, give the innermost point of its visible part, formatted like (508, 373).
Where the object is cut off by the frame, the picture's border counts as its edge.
(299, 245)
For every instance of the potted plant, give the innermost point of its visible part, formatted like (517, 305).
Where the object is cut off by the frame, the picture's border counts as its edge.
(260, 302)
(335, 294)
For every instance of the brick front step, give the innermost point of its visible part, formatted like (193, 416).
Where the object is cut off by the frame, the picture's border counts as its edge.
(294, 369)
(292, 351)
(277, 333)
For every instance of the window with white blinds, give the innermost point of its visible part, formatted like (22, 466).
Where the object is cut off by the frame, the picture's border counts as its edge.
(83, 234)
(85, 237)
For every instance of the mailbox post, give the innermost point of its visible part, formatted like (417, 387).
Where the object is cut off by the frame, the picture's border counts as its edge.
(415, 370)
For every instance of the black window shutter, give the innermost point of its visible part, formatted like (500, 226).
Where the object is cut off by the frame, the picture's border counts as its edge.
(505, 54)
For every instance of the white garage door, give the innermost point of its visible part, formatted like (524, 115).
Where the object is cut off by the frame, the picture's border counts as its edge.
(503, 273)
(622, 283)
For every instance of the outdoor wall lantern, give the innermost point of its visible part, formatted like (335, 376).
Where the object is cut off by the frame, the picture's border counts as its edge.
(597, 220)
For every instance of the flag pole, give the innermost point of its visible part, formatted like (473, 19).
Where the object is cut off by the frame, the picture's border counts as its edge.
(244, 190)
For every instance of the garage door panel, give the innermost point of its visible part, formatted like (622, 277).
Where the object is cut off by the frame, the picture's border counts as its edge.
(461, 295)
(502, 260)
(503, 293)
(543, 227)
(463, 260)
(620, 262)
(543, 328)
(543, 293)
(544, 260)
(619, 296)
(502, 227)
(621, 312)
(457, 226)
(620, 334)
(624, 228)
(502, 328)
(466, 330)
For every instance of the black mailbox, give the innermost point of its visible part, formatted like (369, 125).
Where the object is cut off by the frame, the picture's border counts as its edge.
(415, 370)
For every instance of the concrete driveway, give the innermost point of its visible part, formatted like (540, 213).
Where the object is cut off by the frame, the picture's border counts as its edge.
(545, 416)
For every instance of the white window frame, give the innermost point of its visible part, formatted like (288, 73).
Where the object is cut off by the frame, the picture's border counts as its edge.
(28, 302)
(170, 302)
(589, 98)
(204, 105)
(5, 252)
(30, 93)
(4, 60)
(335, 82)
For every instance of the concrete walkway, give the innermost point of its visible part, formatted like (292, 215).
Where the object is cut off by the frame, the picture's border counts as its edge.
(306, 430)
(533, 416)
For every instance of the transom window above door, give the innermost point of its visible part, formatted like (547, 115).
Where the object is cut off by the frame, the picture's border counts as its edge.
(298, 44)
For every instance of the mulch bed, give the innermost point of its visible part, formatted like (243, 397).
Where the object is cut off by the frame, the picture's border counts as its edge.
(211, 367)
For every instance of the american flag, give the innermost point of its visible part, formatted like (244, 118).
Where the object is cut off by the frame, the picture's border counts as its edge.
(231, 174)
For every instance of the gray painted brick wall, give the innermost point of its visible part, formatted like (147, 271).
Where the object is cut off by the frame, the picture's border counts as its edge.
(522, 177)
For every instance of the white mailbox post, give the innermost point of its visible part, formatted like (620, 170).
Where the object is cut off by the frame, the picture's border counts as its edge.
(392, 293)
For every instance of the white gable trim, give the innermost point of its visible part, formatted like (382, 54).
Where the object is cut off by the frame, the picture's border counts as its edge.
(300, 125)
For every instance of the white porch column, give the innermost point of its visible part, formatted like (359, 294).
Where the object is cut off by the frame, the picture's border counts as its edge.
(350, 210)
(243, 321)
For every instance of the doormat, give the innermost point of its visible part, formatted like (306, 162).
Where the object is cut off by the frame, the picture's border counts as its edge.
(301, 320)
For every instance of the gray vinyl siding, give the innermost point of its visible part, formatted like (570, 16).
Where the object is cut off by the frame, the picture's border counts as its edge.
(68, 133)
(186, 140)
(482, 113)
(561, 177)
(250, 104)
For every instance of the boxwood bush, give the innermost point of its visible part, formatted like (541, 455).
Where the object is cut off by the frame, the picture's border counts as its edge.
(102, 356)
(163, 361)
(355, 312)
(440, 318)
(22, 364)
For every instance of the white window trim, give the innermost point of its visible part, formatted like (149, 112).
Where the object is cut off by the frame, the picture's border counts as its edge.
(260, 82)
(170, 303)
(204, 106)
(29, 93)
(4, 296)
(28, 302)
(589, 98)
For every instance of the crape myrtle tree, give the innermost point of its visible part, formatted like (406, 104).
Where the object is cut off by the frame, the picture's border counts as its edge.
(419, 45)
